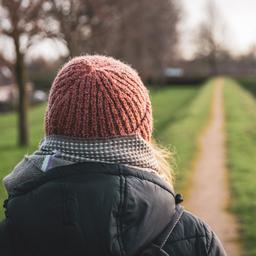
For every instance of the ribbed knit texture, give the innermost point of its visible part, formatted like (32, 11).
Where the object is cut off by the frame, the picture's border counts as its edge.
(98, 97)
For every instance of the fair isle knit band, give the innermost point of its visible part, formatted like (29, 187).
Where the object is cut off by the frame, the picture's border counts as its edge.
(130, 149)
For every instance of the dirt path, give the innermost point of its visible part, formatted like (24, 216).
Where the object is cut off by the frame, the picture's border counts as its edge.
(209, 192)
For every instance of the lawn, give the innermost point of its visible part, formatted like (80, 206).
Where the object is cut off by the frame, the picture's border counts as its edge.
(168, 102)
(249, 84)
(10, 155)
(182, 132)
(240, 106)
(179, 114)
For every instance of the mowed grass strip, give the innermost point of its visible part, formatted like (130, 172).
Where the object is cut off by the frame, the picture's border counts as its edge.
(240, 109)
(183, 132)
(168, 103)
(10, 154)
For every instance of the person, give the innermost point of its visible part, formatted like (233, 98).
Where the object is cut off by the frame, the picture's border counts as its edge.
(99, 183)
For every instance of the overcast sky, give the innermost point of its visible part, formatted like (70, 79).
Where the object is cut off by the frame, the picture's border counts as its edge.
(239, 16)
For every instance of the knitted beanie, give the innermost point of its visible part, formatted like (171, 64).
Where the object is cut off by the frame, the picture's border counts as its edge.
(96, 96)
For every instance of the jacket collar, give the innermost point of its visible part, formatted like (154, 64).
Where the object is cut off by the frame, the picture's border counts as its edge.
(84, 168)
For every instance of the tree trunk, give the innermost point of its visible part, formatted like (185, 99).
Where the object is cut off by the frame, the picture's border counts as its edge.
(22, 100)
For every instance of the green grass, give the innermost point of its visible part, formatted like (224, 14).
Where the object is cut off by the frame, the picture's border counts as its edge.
(168, 102)
(240, 108)
(10, 154)
(179, 113)
(183, 131)
(249, 84)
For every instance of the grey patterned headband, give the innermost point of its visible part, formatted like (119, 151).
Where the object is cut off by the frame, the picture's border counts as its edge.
(131, 150)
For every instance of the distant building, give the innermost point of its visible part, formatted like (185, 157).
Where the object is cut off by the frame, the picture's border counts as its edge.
(173, 72)
(9, 95)
(5, 76)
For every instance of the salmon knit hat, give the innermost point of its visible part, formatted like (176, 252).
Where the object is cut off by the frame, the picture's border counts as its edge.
(98, 97)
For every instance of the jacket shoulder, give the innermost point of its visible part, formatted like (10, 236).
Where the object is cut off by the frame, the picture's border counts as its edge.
(192, 236)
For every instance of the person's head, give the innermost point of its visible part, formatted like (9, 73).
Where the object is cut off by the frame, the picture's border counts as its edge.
(95, 97)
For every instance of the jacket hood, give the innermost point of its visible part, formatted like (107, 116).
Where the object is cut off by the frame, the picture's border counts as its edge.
(91, 208)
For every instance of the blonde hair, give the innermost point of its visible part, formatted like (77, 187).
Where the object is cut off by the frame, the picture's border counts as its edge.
(165, 158)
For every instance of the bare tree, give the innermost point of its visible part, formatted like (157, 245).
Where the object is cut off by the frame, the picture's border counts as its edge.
(77, 22)
(209, 43)
(68, 21)
(144, 34)
(21, 21)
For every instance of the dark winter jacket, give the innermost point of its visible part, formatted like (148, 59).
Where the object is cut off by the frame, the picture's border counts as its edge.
(100, 209)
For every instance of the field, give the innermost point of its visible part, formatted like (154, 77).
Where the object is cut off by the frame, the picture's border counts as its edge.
(240, 108)
(180, 128)
(10, 155)
(179, 113)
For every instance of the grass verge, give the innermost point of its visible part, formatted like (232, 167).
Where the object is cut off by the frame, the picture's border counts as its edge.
(168, 102)
(10, 154)
(183, 131)
(240, 108)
